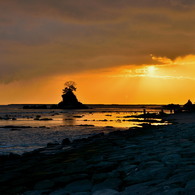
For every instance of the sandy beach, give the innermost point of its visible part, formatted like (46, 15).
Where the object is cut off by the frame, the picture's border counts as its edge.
(149, 160)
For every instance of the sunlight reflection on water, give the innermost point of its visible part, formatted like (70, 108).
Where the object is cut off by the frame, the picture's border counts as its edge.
(64, 124)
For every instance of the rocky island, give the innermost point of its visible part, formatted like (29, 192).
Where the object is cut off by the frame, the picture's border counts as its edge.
(70, 101)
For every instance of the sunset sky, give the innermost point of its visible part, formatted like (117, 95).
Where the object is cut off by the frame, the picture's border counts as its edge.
(117, 51)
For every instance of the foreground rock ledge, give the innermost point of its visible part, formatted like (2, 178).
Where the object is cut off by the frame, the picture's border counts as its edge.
(153, 161)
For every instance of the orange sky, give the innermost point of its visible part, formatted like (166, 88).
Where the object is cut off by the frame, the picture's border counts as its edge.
(171, 82)
(118, 52)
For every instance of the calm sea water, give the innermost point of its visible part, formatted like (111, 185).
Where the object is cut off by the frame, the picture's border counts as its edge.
(20, 132)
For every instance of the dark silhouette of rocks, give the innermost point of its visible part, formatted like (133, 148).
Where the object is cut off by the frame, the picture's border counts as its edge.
(174, 108)
(69, 100)
(189, 106)
(35, 107)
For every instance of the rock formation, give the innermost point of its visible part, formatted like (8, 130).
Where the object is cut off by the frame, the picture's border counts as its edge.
(69, 99)
(189, 106)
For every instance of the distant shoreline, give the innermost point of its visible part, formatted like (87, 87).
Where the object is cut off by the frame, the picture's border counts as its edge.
(103, 105)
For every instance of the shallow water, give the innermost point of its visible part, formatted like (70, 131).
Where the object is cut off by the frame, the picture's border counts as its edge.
(63, 124)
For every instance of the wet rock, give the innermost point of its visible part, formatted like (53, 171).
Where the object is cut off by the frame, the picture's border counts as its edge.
(127, 169)
(104, 120)
(65, 141)
(86, 125)
(110, 183)
(141, 176)
(103, 166)
(99, 177)
(13, 156)
(45, 184)
(78, 167)
(138, 189)
(15, 127)
(144, 157)
(171, 159)
(109, 127)
(37, 117)
(175, 191)
(93, 160)
(13, 190)
(46, 119)
(81, 193)
(78, 116)
(79, 186)
(152, 164)
(52, 144)
(35, 192)
(113, 174)
(62, 180)
(191, 174)
(186, 144)
(106, 192)
(189, 153)
(61, 191)
(179, 179)
(190, 185)
(189, 192)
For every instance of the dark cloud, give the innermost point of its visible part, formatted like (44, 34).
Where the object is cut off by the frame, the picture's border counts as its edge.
(87, 10)
(42, 37)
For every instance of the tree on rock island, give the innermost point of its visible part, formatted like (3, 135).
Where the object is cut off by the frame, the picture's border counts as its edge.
(69, 99)
(69, 86)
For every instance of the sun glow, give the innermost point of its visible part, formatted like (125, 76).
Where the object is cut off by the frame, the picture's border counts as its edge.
(151, 70)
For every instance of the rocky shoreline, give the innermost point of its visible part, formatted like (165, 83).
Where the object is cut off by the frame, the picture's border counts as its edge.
(148, 160)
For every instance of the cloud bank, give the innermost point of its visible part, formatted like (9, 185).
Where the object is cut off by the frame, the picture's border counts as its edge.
(46, 37)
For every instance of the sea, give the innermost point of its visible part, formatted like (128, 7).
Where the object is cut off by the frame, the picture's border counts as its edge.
(24, 130)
